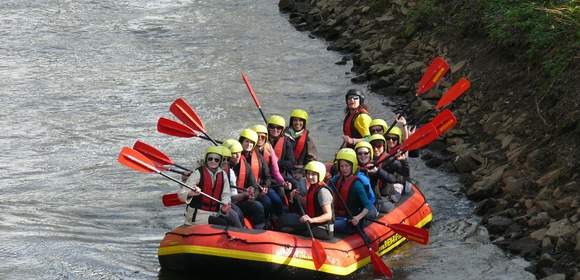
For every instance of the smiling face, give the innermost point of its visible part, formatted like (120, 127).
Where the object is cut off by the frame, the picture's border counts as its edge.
(297, 124)
(235, 158)
(275, 130)
(262, 139)
(213, 160)
(392, 140)
(378, 147)
(363, 155)
(247, 145)
(352, 101)
(312, 177)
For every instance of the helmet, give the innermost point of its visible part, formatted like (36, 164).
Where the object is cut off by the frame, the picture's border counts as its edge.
(356, 92)
(316, 167)
(259, 128)
(213, 150)
(277, 120)
(229, 142)
(379, 122)
(250, 135)
(234, 146)
(397, 131)
(301, 114)
(349, 155)
(225, 151)
(377, 137)
(364, 144)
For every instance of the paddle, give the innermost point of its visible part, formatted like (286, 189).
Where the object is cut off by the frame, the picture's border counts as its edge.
(137, 161)
(173, 128)
(379, 266)
(423, 136)
(156, 155)
(436, 70)
(256, 101)
(449, 96)
(318, 253)
(185, 113)
(412, 233)
(171, 199)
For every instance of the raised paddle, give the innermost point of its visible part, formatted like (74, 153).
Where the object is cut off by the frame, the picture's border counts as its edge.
(379, 266)
(173, 128)
(422, 137)
(185, 113)
(318, 253)
(156, 155)
(436, 70)
(141, 163)
(251, 90)
(412, 233)
(449, 96)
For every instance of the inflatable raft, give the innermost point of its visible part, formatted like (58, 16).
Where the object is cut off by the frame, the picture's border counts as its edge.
(216, 250)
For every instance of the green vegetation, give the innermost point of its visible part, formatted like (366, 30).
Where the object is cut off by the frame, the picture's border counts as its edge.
(546, 33)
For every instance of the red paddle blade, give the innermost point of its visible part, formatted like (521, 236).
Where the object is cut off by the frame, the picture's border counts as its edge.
(455, 91)
(173, 128)
(318, 254)
(433, 74)
(152, 153)
(379, 267)
(136, 161)
(444, 121)
(171, 199)
(185, 113)
(421, 138)
(248, 224)
(412, 233)
(250, 89)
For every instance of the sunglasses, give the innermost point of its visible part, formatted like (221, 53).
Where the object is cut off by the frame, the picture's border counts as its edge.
(216, 159)
(394, 138)
(275, 127)
(353, 97)
(377, 130)
(378, 144)
(262, 136)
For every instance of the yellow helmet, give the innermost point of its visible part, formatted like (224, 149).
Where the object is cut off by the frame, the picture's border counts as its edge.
(225, 152)
(250, 135)
(213, 150)
(398, 132)
(316, 167)
(349, 155)
(301, 114)
(277, 120)
(379, 122)
(377, 137)
(364, 144)
(234, 146)
(259, 128)
(228, 142)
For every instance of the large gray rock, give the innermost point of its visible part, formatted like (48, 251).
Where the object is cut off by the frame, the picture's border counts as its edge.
(487, 186)
(562, 228)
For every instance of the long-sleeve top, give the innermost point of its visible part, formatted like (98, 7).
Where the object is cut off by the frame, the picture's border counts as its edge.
(225, 197)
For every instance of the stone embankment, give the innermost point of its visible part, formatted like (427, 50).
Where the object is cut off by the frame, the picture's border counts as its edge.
(516, 149)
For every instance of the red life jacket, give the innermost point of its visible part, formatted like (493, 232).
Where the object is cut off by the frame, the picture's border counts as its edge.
(241, 180)
(300, 145)
(279, 147)
(255, 165)
(343, 187)
(313, 208)
(214, 189)
(348, 127)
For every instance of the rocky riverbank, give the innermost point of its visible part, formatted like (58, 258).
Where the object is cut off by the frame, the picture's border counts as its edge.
(516, 145)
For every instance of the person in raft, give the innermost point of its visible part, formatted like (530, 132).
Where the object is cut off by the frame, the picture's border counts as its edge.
(212, 180)
(282, 145)
(304, 148)
(355, 126)
(364, 155)
(276, 192)
(352, 191)
(317, 204)
(399, 167)
(245, 184)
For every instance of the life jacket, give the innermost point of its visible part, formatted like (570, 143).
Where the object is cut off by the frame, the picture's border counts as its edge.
(313, 208)
(214, 189)
(266, 154)
(300, 146)
(255, 165)
(241, 180)
(348, 127)
(343, 188)
(279, 146)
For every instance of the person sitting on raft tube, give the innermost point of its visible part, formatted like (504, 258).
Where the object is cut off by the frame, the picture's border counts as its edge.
(364, 154)
(244, 182)
(282, 145)
(355, 126)
(318, 206)
(212, 180)
(398, 166)
(258, 168)
(276, 193)
(351, 189)
(304, 148)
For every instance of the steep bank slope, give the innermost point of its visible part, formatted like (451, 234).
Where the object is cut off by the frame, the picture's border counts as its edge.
(517, 143)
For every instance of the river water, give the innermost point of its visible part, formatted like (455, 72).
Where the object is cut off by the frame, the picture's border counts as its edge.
(81, 79)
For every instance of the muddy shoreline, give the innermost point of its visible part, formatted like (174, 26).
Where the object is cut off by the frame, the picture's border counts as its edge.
(519, 169)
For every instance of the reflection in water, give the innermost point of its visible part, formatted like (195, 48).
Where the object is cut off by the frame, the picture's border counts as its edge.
(81, 79)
